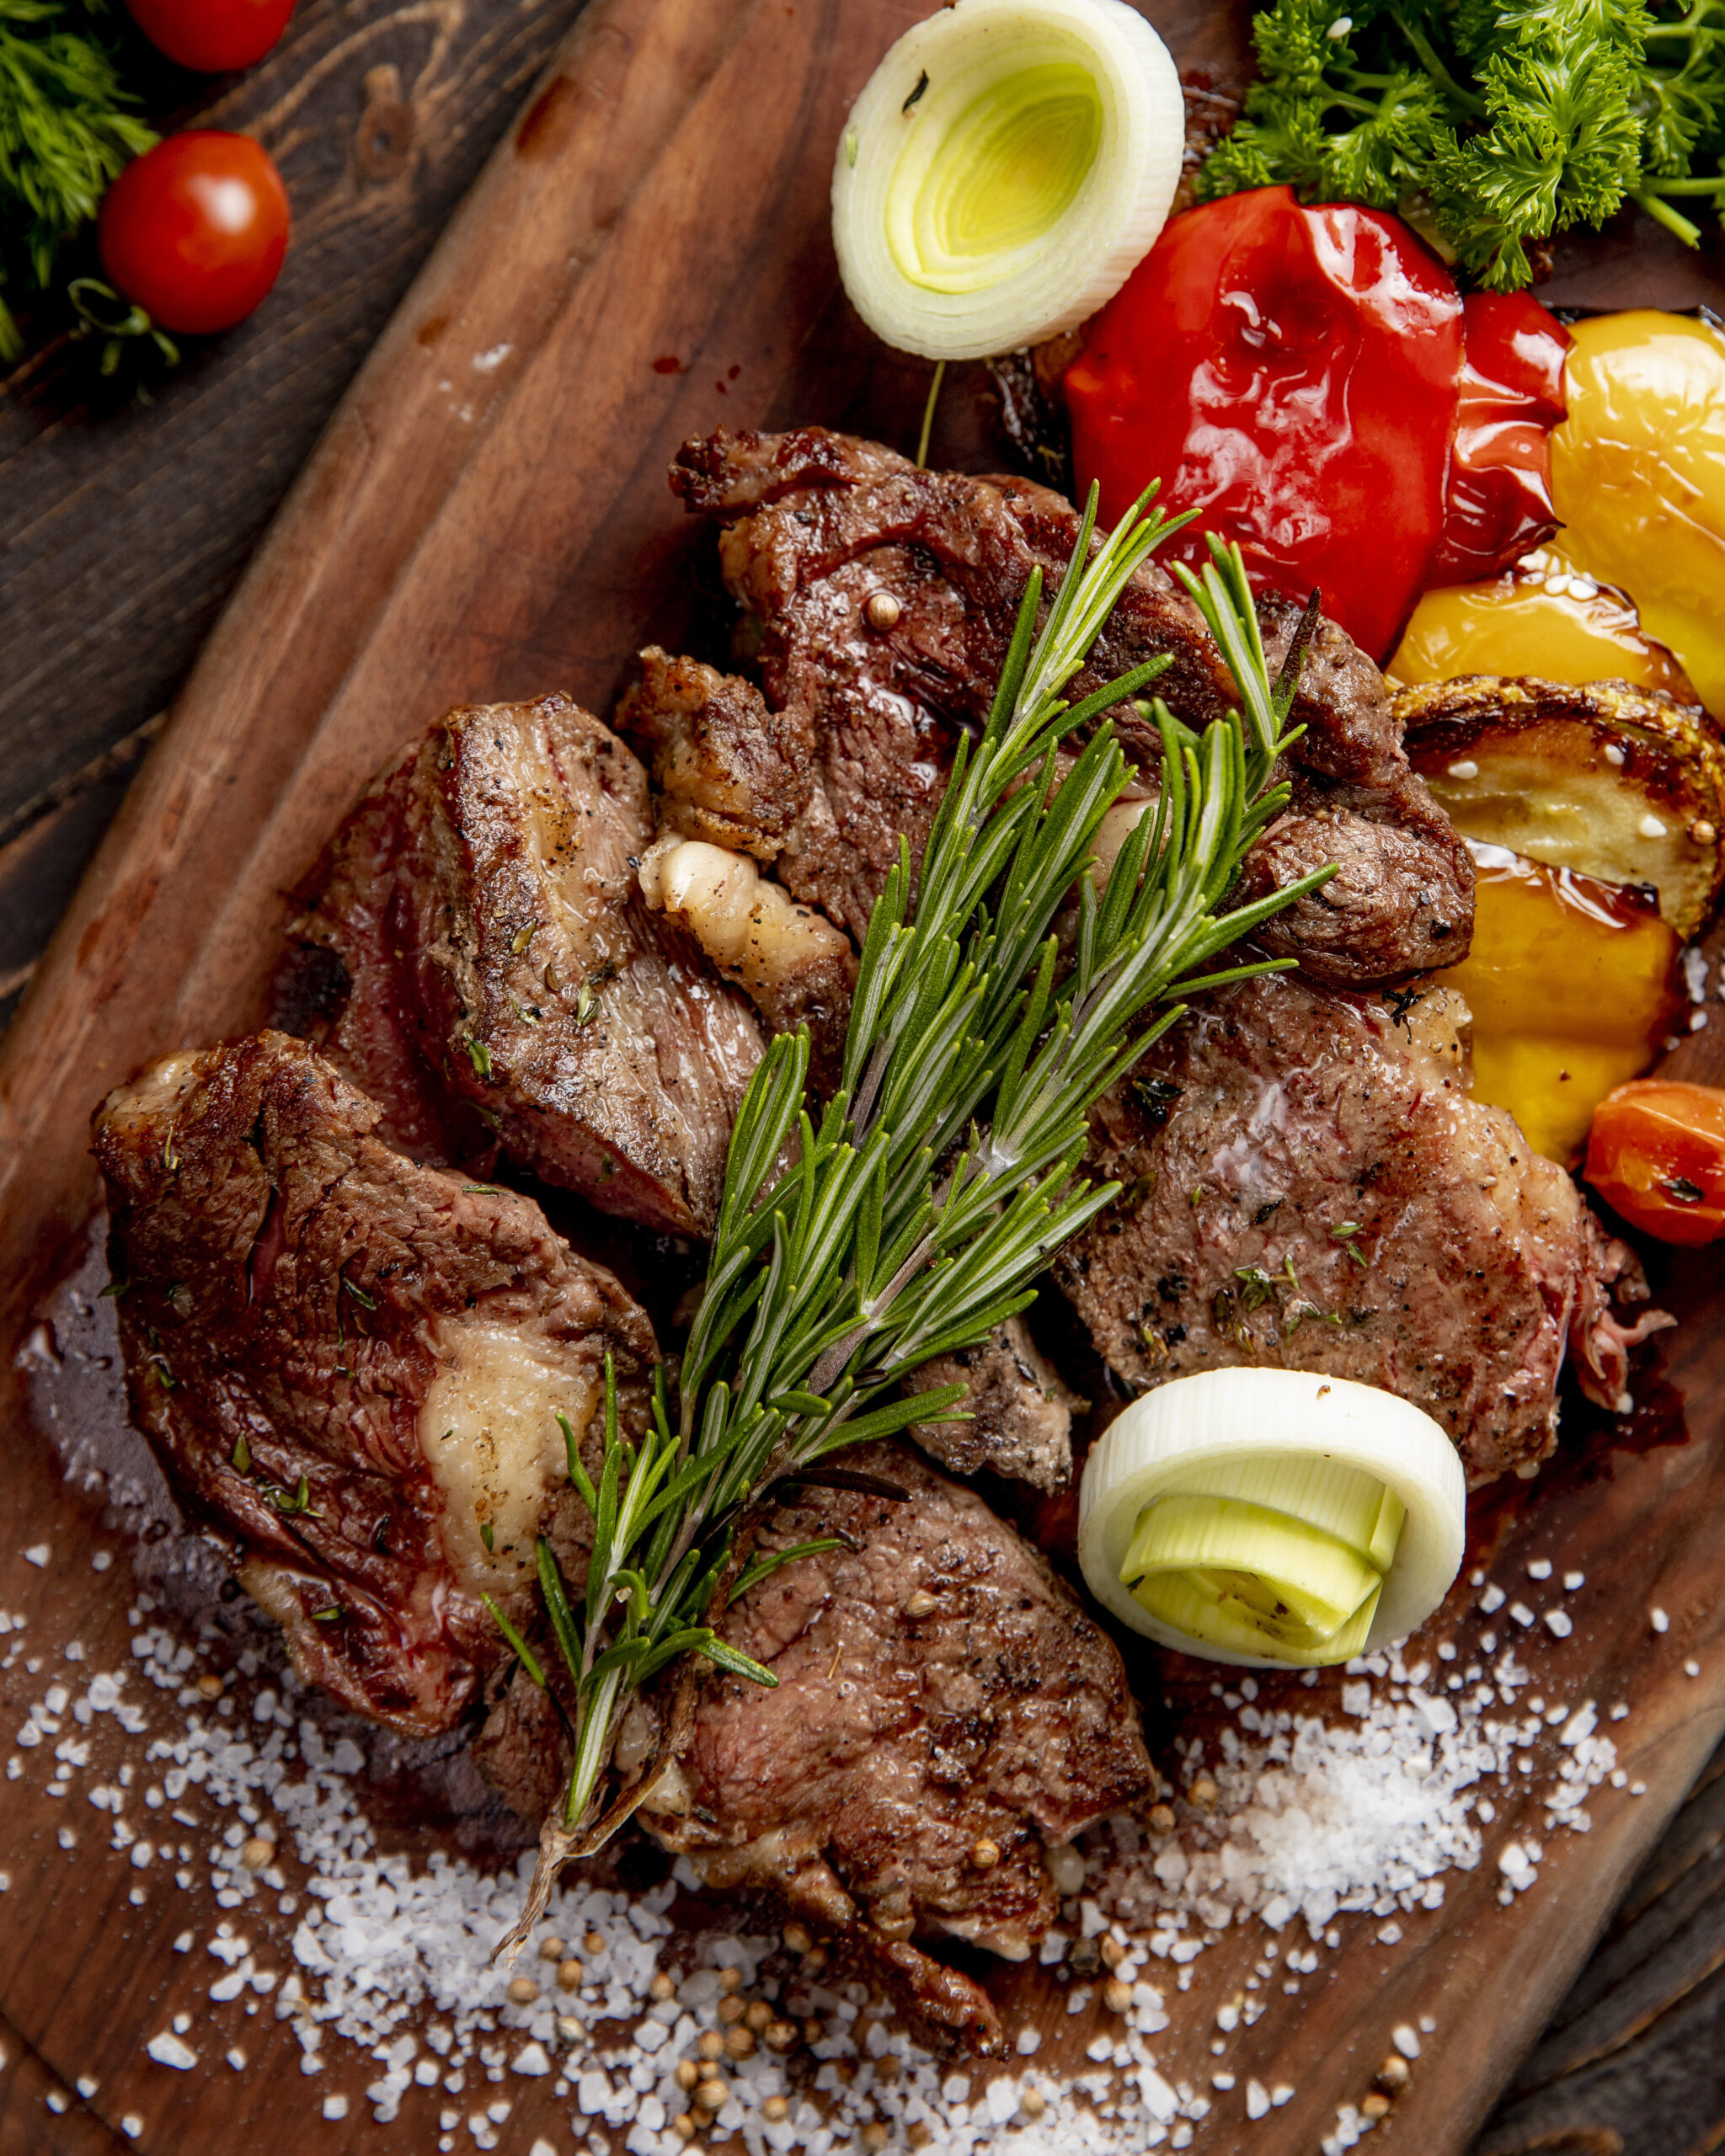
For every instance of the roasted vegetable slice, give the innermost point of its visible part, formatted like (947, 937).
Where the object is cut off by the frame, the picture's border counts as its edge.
(1570, 983)
(1544, 615)
(1622, 786)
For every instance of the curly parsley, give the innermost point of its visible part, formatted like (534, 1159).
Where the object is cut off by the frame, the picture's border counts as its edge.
(1490, 124)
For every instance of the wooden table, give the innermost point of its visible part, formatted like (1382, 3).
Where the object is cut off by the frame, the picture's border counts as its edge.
(123, 527)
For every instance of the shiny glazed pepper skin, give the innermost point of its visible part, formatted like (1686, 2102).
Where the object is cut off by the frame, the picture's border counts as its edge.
(1290, 374)
(1638, 476)
(1498, 503)
(1544, 617)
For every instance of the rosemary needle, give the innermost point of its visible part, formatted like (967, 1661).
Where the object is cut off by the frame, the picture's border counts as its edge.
(944, 1173)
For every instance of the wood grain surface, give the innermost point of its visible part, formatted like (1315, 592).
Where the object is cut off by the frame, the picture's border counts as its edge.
(123, 524)
(486, 516)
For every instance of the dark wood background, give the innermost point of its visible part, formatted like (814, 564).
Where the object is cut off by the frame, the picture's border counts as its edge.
(123, 524)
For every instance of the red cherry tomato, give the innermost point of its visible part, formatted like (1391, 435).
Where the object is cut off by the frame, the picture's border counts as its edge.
(1656, 1156)
(1290, 374)
(1498, 504)
(194, 230)
(214, 36)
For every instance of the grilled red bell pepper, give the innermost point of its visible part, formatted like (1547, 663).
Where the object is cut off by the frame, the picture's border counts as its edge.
(1291, 373)
(1511, 396)
(1305, 379)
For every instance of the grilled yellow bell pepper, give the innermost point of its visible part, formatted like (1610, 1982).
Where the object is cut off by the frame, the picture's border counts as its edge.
(1570, 983)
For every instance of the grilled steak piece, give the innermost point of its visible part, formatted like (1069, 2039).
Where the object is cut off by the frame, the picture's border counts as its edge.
(349, 1366)
(945, 1713)
(817, 524)
(726, 769)
(506, 971)
(1310, 1185)
(1021, 1410)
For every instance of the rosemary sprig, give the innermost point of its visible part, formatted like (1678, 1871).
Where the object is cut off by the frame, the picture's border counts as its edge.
(944, 1172)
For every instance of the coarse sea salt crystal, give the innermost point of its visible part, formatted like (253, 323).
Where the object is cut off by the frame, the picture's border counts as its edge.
(168, 2050)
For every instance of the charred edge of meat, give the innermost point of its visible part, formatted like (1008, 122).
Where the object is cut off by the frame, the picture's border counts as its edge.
(946, 1712)
(350, 1365)
(1311, 1186)
(509, 980)
(819, 526)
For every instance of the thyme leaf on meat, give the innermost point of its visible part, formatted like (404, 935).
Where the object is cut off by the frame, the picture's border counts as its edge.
(910, 1216)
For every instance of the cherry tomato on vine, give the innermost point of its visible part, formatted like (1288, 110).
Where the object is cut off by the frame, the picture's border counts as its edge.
(195, 229)
(214, 36)
(1657, 1154)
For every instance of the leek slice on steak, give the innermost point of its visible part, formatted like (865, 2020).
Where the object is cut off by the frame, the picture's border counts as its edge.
(1275, 1517)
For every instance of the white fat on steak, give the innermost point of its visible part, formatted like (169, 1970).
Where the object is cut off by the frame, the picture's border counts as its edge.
(350, 1367)
(489, 1432)
(753, 931)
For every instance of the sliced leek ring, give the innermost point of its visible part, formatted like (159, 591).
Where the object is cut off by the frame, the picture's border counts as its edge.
(1272, 1518)
(1007, 166)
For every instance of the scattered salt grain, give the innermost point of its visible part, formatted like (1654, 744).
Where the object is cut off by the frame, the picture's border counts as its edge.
(1539, 1568)
(335, 2107)
(1573, 1580)
(38, 1554)
(1257, 2099)
(168, 2050)
(1559, 1622)
(1493, 1599)
(1658, 1619)
(1691, 1669)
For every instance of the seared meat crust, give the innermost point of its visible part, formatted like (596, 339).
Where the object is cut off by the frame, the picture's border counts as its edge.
(904, 1738)
(299, 1304)
(1021, 1410)
(726, 768)
(818, 523)
(483, 898)
(1309, 1185)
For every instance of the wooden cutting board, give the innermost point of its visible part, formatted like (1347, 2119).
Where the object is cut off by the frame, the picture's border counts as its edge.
(647, 257)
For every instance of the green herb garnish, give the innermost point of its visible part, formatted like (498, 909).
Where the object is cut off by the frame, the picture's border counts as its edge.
(64, 135)
(1492, 123)
(944, 1172)
(289, 1504)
